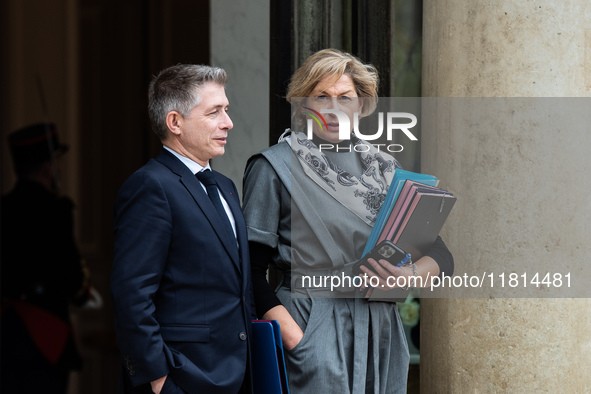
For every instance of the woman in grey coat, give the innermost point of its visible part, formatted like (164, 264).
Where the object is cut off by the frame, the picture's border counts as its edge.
(310, 205)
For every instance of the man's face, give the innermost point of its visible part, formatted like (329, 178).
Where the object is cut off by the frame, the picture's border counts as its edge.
(205, 129)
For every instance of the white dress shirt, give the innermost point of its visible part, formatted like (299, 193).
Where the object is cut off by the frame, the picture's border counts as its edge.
(195, 168)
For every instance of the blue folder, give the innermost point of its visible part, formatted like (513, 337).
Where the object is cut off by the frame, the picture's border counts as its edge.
(268, 362)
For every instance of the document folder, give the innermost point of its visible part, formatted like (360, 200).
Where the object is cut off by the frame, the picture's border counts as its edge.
(423, 222)
(268, 362)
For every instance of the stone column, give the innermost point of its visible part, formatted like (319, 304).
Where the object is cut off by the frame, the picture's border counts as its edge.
(240, 44)
(509, 48)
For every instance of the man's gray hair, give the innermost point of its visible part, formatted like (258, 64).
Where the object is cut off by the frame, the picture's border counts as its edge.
(177, 88)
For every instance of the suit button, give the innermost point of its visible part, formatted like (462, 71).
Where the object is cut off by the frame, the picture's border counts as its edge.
(242, 336)
(132, 372)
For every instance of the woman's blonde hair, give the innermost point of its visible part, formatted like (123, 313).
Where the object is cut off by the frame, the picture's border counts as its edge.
(334, 63)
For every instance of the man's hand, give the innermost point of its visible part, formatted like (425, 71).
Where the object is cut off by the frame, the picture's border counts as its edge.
(157, 384)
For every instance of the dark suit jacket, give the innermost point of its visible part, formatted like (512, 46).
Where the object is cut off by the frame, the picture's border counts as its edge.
(181, 286)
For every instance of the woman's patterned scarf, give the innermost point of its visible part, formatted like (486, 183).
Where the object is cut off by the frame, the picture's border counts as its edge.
(362, 196)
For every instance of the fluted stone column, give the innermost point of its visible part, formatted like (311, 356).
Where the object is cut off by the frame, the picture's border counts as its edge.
(509, 48)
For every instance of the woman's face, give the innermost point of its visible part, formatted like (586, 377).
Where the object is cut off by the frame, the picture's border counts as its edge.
(331, 94)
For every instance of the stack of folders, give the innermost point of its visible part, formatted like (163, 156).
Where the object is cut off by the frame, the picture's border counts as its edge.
(268, 362)
(411, 216)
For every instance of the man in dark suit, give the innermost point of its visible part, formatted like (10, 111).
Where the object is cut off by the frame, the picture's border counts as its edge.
(181, 276)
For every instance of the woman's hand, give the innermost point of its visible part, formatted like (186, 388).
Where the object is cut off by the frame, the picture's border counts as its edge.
(291, 333)
(385, 276)
(388, 276)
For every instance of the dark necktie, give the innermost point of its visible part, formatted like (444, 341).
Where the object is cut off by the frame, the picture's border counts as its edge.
(208, 179)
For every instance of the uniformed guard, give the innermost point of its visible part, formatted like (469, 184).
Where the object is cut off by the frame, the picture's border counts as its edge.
(41, 270)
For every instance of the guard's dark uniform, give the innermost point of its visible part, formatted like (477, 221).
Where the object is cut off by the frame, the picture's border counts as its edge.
(40, 276)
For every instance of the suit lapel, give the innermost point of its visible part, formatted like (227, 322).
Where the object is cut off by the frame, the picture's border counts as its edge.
(194, 188)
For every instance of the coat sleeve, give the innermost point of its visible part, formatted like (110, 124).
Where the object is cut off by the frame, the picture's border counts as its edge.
(262, 210)
(143, 228)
